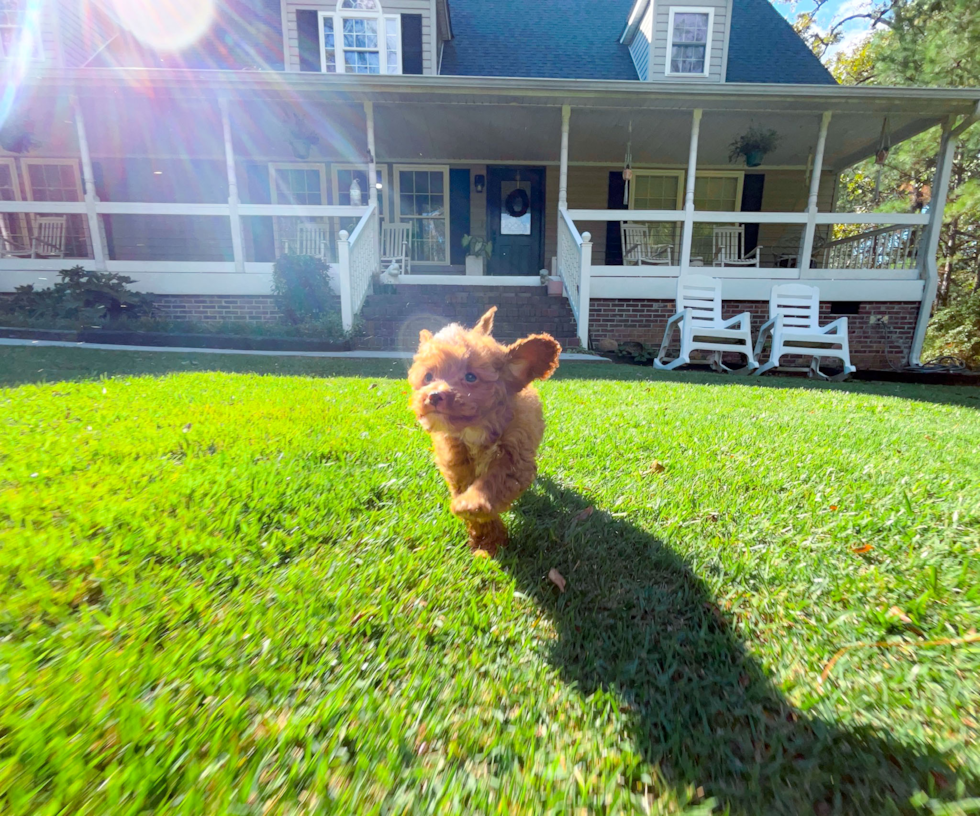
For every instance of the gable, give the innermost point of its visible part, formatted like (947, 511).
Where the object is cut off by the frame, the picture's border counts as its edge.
(570, 39)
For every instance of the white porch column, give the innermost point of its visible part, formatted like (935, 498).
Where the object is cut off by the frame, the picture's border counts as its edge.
(930, 244)
(91, 199)
(566, 115)
(237, 248)
(692, 168)
(809, 231)
(372, 159)
(584, 286)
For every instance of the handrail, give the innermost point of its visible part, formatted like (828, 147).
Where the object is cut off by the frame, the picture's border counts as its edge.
(869, 234)
(570, 223)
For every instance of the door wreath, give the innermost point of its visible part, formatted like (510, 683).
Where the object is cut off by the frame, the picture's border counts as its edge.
(517, 203)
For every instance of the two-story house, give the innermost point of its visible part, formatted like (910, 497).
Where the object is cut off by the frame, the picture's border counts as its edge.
(595, 141)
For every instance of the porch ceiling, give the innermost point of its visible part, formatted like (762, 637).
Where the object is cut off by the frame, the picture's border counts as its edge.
(422, 118)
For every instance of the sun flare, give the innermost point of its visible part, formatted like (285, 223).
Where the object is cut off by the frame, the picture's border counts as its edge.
(166, 25)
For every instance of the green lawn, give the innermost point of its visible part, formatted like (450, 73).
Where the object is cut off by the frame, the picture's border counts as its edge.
(240, 591)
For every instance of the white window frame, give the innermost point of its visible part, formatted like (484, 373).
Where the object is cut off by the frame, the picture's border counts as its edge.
(681, 176)
(383, 193)
(19, 218)
(37, 47)
(670, 38)
(25, 164)
(384, 22)
(396, 210)
(274, 194)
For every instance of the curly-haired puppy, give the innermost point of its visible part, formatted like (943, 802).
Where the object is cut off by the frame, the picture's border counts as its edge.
(473, 396)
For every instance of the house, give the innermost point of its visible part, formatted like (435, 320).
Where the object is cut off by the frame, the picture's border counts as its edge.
(190, 151)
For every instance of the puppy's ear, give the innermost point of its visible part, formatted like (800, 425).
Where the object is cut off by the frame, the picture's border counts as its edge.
(485, 324)
(424, 336)
(533, 358)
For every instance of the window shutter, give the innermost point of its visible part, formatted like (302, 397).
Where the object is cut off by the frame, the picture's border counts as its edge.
(308, 34)
(459, 214)
(614, 241)
(752, 187)
(411, 43)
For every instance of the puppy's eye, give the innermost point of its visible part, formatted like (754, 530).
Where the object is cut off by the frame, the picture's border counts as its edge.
(428, 377)
(470, 377)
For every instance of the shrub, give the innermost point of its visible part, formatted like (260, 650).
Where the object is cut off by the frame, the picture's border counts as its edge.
(301, 287)
(955, 331)
(84, 296)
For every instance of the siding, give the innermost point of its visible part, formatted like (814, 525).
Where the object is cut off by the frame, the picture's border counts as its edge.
(640, 47)
(661, 18)
(422, 7)
(787, 191)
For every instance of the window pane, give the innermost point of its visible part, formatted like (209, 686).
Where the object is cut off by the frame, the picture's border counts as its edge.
(392, 44)
(422, 203)
(329, 47)
(362, 5)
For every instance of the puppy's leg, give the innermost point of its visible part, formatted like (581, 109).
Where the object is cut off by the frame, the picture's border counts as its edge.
(510, 473)
(487, 536)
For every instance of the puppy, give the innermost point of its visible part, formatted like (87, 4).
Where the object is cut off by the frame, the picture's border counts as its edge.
(474, 397)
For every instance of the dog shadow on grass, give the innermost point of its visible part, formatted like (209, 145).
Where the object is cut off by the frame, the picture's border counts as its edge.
(637, 621)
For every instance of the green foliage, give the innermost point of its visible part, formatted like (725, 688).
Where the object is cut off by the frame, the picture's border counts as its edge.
(243, 593)
(477, 247)
(81, 296)
(955, 331)
(302, 287)
(754, 140)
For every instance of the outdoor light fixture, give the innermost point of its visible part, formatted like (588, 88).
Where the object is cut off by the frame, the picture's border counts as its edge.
(479, 182)
(378, 185)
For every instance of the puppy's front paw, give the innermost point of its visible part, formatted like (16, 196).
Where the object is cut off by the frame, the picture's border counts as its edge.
(471, 506)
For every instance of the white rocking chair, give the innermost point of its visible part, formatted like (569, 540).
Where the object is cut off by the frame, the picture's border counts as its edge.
(794, 317)
(637, 249)
(396, 246)
(702, 328)
(311, 239)
(48, 240)
(729, 246)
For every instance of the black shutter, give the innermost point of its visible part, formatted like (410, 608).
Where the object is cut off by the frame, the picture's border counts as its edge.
(459, 214)
(259, 227)
(614, 240)
(308, 33)
(752, 202)
(411, 43)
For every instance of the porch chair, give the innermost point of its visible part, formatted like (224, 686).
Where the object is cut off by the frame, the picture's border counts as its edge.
(729, 248)
(311, 239)
(637, 249)
(396, 246)
(702, 328)
(48, 240)
(794, 317)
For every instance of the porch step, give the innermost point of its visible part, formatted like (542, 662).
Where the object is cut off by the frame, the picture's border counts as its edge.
(393, 321)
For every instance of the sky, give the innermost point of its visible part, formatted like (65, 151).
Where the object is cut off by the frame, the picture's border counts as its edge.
(832, 11)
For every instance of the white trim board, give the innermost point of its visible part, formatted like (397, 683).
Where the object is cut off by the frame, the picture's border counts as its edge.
(760, 288)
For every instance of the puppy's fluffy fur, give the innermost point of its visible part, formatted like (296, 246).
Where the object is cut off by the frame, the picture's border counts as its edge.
(473, 396)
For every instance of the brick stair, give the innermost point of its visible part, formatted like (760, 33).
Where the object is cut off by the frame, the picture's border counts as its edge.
(393, 321)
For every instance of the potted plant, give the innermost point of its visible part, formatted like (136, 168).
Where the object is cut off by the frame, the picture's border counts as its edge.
(478, 252)
(302, 137)
(753, 145)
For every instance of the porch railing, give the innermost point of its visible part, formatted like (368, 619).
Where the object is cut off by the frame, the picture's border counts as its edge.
(894, 247)
(359, 258)
(574, 269)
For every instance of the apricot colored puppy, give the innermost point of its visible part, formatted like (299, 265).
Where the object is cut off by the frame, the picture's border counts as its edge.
(474, 397)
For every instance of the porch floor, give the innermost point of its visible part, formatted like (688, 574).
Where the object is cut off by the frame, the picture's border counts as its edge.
(393, 318)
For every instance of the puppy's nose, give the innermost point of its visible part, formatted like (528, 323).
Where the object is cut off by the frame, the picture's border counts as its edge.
(437, 397)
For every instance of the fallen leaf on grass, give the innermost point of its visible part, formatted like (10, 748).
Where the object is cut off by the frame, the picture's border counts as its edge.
(556, 578)
(187, 427)
(657, 467)
(895, 612)
(862, 550)
(833, 507)
(588, 511)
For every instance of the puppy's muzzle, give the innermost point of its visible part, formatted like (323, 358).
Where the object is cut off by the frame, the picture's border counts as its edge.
(439, 398)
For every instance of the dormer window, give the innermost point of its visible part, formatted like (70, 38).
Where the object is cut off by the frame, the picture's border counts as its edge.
(359, 39)
(689, 43)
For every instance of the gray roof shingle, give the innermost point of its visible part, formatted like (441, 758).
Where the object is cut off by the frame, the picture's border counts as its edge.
(579, 39)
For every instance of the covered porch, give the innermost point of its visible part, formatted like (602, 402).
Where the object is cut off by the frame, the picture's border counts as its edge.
(193, 182)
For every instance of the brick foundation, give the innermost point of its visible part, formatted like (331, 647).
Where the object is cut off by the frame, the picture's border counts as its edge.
(204, 308)
(873, 347)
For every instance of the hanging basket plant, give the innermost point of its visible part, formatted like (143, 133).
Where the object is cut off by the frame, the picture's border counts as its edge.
(17, 136)
(302, 137)
(753, 145)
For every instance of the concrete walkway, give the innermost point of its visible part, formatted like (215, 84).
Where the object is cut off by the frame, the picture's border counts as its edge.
(350, 355)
